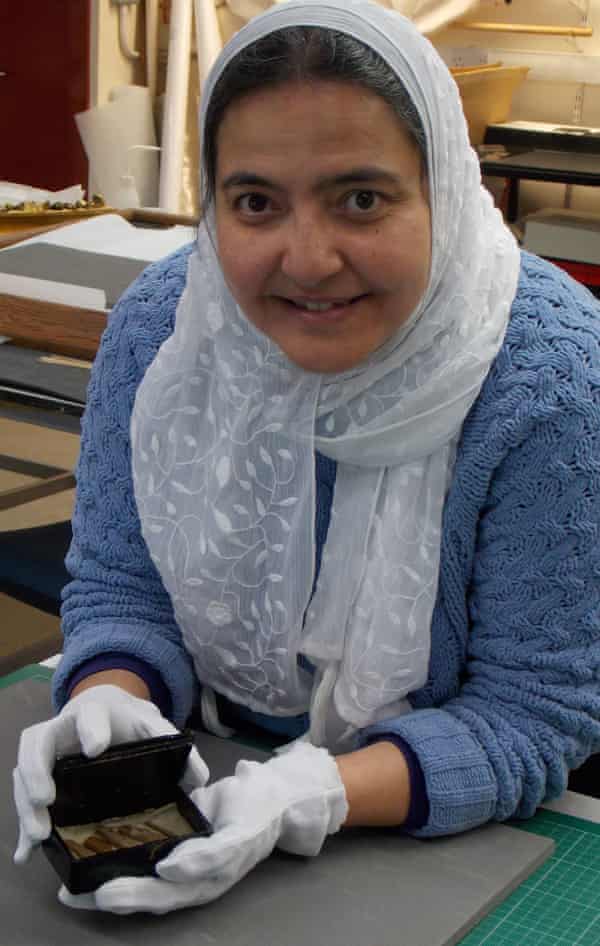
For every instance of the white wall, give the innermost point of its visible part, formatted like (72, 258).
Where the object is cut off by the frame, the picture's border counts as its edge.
(108, 66)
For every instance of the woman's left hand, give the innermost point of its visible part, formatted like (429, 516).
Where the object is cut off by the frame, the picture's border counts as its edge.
(293, 801)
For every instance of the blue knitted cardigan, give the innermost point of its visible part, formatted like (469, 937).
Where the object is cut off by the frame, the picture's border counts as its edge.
(512, 701)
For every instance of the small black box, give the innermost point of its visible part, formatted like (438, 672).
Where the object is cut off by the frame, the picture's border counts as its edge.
(125, 788)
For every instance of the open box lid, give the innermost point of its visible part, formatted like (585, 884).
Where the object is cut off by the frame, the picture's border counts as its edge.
(127, 778)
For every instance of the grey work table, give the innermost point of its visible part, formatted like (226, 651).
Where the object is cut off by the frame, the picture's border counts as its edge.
(367, 888)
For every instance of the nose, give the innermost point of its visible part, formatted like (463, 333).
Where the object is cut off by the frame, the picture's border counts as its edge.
(311, 253)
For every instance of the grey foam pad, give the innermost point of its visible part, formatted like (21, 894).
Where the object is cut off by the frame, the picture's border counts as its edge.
(75, 267)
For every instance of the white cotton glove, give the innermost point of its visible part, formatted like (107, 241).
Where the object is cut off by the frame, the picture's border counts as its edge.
(97, 718)
(293, 801)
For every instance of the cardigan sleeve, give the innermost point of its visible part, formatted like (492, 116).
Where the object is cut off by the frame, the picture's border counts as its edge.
(116, 602)
(526, 708)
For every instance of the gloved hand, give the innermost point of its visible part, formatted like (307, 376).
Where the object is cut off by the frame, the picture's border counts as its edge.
(293, 801)
(97, 718)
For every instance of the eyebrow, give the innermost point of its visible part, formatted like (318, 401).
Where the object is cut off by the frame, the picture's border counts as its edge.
(361, 175)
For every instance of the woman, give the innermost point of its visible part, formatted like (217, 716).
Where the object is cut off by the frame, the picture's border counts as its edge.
(364, 462)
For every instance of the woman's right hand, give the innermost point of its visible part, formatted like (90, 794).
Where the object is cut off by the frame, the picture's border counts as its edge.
(98, 717)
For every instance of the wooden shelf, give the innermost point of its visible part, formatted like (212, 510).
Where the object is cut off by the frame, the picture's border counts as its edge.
(538, 29)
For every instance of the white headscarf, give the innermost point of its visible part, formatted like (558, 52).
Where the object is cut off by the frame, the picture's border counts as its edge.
(225, 429)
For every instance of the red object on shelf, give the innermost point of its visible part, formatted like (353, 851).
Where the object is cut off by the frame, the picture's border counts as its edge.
(586, 273)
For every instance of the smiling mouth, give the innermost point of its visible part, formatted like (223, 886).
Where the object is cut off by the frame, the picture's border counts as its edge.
(321, 306)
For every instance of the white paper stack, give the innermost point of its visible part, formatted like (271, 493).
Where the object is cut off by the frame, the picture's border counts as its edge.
(87, 264)
(108, 132)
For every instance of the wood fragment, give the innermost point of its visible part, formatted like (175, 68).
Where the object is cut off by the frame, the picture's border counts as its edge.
(141, 834)
(158, 827)
(76, 850)
(98, 845)
(114, 837)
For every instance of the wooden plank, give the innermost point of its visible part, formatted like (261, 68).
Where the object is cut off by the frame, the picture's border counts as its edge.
(158, 218)
(10, 237)
(53, 327)
(28, 467)
(26, 494)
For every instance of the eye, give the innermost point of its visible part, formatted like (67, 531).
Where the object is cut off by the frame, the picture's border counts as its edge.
(252, 204)
(363, 202)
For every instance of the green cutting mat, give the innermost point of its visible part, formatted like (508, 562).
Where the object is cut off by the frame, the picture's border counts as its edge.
(559, 905)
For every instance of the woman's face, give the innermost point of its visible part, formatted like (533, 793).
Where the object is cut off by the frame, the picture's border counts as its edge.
(323, 224)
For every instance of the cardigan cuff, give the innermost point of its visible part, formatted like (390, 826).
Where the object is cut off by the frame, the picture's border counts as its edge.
(129, 641)
(159, 694)
(460, 783)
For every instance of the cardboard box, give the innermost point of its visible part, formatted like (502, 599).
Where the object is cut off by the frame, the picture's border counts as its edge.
(487, 94)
